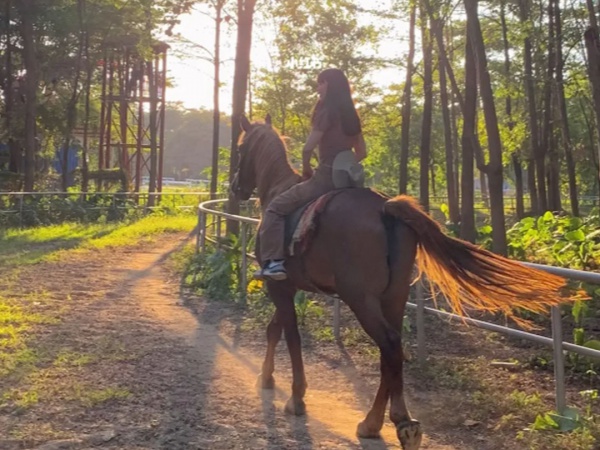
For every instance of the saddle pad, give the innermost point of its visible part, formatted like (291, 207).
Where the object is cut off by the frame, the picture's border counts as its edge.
(302, 224)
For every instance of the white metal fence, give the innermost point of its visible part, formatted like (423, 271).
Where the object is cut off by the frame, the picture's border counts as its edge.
(557, 343)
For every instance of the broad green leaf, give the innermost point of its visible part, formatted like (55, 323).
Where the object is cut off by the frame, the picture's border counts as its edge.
(575, 236)
(575, 223)
(569, 421)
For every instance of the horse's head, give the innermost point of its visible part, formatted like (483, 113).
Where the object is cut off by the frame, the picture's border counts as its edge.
(244, 181)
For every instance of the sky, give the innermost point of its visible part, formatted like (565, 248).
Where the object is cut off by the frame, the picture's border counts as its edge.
(191, 74)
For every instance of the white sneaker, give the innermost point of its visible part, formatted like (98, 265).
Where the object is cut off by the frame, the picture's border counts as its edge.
(273, 271)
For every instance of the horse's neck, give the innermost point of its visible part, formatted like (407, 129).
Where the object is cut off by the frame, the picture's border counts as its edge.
(274, 181)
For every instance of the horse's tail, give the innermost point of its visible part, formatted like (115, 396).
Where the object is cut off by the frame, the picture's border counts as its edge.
(470, 276)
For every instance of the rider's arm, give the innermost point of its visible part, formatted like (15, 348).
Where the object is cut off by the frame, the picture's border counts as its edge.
(310, 145)
(360, 148)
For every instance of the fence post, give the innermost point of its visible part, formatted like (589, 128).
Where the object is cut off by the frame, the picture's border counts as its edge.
(218, 231)
(336, 318)
(421, 351)
(21, 210)
(559, 362)
(200, 233)
(244, 268)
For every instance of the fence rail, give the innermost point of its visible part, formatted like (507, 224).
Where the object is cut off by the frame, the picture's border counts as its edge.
(557, 343)
(23, 208)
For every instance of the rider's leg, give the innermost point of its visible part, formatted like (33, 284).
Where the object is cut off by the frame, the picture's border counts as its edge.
(272, 227)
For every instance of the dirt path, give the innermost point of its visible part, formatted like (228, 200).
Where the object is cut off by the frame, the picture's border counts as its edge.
(167, 371)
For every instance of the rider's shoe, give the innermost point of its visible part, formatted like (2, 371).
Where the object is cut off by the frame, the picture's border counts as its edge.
(274, 270)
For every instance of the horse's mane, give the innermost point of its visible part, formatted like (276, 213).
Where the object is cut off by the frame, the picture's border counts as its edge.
(267, 153)
(267, 147)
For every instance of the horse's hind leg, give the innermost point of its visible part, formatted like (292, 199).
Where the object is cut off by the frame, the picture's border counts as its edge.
(371, 426)
(408, 430)
(282, 294)
(387, 336)
(274, 329)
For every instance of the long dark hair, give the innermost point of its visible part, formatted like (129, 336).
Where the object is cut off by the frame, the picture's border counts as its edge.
(338, 101)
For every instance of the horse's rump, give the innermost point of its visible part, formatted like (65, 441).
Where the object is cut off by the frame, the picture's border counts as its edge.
(348, 247)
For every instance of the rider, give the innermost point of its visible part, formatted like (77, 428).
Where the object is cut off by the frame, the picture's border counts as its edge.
(336, 128)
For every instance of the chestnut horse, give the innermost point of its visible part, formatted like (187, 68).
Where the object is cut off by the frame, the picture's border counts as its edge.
(364, 250)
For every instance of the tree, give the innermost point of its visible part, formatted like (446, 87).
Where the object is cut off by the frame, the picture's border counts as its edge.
(427, 111)
(515, 158)
(27, 13)
(218, 5)
(467, 214)
(406, 102)
(537, 184)
(562, 111)
(240, 89)
(494, 169)
(453, 207)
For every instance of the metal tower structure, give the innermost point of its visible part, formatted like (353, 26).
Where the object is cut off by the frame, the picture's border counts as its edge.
(132, 116)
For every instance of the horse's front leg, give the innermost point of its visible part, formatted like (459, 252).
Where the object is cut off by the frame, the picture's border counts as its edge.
(282, 293)
(274, 329)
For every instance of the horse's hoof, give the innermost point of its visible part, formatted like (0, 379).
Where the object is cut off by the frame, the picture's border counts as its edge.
(295, 407)
(367, 431)
(265, 383)
(410, 434)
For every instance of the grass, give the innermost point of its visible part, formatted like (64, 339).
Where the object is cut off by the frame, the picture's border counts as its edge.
(16, 323)
(33, 245)
(91, 397)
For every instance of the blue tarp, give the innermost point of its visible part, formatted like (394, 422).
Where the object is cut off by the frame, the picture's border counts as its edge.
(72, 162)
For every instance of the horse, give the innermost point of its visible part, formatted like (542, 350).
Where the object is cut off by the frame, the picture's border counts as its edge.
(364, 250)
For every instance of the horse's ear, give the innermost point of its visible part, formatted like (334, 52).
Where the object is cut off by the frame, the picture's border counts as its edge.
(245, 123)
(268, 119)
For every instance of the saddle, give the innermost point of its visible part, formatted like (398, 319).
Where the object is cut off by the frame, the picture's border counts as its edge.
(301, 225)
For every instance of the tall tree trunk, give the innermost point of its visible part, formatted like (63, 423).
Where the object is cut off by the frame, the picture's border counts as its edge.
(516, 162)
(562, 109)
(442, 54)
(536, 186)
(71, 112)
(240, 88)
(548, 119)
(425, 153)
(592, 44)
(27, 13)
(519, 189)
(453, 120)
(592, 141)
(485, 194)
(467, 213)
(456, 145)
(494, 172)
(532, 186)
(554, 200)
(592, 13)
(407, 103)
(453, 207)
(89, 70)
(214, 174)
(15, 163)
